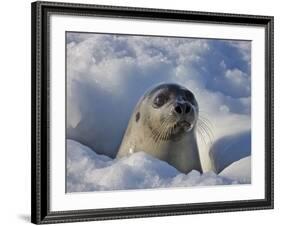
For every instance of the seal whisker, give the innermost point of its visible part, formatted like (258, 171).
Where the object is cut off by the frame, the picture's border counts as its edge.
(160, 131)
(164, 131)
(201, 136)
(157, 130)
(206, 126)
(206, 131)
(206, 120)
(167, 132)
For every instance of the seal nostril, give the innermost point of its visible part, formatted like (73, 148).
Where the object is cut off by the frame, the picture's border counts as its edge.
(178, 109)
(187, 108)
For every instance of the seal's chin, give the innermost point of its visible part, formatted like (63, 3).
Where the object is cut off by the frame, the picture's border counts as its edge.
(185, 125)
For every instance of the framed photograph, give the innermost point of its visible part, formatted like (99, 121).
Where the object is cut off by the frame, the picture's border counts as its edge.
(141, 112)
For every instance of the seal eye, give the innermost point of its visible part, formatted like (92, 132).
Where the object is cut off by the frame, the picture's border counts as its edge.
(137, 117)
(160, 100)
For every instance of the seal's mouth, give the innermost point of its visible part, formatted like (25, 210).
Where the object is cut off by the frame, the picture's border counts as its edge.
(183, 124)
(174, 131)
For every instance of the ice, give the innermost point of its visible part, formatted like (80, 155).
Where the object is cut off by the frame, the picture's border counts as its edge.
(239, 171)
(88, 171)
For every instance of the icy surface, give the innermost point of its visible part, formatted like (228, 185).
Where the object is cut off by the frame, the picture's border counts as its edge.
(88, 171)
(229, 149)
(107, 74)
(239, 171)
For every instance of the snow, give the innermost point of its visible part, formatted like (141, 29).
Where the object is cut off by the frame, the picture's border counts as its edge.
(239, 171)
(229, 149)
(88, 171)
(107, 74)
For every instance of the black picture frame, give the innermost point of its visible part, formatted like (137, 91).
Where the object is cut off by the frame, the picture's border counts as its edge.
(40, 208)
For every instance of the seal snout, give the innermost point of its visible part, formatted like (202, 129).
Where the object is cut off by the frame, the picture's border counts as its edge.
(182, 108)
(184, 117)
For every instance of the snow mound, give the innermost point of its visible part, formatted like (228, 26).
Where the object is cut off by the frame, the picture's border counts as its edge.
(239, 171)
(107, 75)
(88, 171)
(229, 149)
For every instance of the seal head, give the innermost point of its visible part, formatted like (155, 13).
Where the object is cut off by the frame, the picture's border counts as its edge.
(163, 125)
(172, 112)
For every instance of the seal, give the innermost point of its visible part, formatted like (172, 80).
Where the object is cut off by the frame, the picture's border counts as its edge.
(163, 125)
